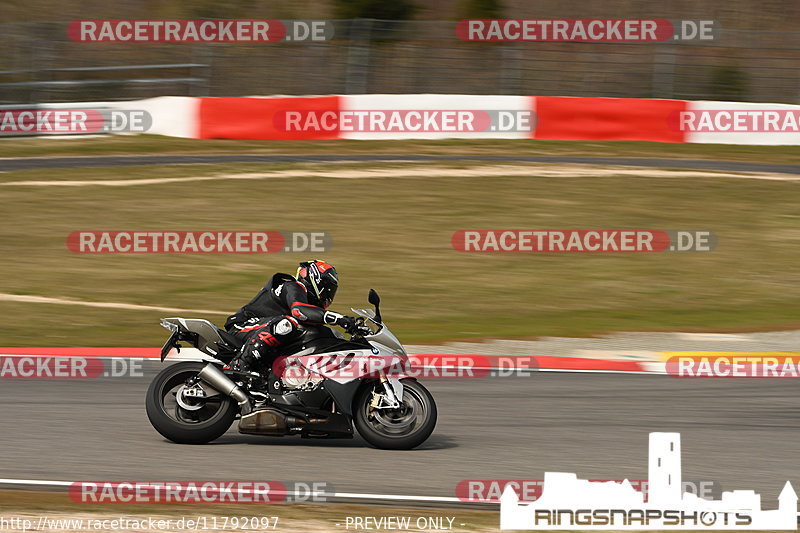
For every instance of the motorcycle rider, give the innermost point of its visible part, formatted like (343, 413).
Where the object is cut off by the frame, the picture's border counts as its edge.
(277, 313)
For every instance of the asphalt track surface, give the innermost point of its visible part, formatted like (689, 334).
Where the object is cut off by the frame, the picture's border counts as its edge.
(741, 433)
(31, 163)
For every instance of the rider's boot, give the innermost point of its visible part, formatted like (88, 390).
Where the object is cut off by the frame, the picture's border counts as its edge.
(262, 347)
(247, 359)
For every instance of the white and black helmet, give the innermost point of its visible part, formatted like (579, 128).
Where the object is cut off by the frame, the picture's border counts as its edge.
(321, 281)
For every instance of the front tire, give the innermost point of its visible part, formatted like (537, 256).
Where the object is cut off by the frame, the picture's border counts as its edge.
(396, 429)
(205, 420)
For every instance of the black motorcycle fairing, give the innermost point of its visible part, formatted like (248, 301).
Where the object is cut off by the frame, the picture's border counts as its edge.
(344, 393)
(315, 399)
(320, 339)
(334, 426)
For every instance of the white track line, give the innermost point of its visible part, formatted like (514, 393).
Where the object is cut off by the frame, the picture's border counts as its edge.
(532, 170)
(395, 497)
(340, 495)
(36, 482)
(596, 371)
(110, 305)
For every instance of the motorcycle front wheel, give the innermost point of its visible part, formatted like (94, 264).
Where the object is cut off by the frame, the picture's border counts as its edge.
(182, 417)
(396, 429)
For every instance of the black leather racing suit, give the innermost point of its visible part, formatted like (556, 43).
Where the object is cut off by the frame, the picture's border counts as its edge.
(274, 317)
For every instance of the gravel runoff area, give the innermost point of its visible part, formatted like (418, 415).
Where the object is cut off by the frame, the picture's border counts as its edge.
(624, 345)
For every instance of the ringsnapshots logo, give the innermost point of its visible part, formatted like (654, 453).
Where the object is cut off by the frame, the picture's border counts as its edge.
(567, 502)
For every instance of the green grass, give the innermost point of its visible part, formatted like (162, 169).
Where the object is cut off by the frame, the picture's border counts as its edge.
(152, 144)
(393, 234)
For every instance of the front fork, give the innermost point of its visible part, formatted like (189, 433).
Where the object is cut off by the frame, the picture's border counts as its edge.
(393, 393)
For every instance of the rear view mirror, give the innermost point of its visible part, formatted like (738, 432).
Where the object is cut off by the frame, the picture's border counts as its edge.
(374, 299)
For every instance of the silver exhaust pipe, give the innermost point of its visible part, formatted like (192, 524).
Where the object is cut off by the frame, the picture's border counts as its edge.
(214, 377)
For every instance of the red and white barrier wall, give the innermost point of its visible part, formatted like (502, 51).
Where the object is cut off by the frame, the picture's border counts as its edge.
(172, 116)
(553, 117)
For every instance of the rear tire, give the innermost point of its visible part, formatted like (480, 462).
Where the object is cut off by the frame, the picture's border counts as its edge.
(199, 426)
(401, 429)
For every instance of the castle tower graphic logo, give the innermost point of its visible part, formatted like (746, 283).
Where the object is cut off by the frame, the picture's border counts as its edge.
(571, 503)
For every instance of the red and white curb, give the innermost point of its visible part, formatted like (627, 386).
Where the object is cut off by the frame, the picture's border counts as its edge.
(449, 362)
(339, 497)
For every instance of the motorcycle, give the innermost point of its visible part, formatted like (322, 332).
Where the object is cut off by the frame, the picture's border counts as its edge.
(322, 385)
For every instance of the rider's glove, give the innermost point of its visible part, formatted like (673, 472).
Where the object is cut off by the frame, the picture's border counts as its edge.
(364, 330)
(347, 323)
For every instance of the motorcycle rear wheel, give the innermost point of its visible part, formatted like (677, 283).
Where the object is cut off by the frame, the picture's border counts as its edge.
(205, 420)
